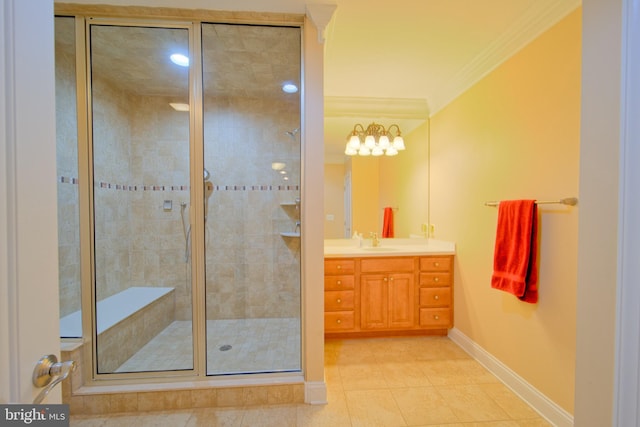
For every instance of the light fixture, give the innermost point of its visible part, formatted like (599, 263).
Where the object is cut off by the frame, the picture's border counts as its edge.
(374, 140)
(289, 87)
(179, 59)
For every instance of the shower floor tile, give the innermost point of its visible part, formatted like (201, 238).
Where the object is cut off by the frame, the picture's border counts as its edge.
(233, 346)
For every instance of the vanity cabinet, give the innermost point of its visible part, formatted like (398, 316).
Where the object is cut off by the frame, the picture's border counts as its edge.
(339, 295)
(369, 296)
(387, 293)
(435, 291)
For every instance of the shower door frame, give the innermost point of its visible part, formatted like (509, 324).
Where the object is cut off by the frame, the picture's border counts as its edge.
(196, 211)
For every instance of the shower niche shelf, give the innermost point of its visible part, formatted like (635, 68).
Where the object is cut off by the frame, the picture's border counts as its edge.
(290, 234)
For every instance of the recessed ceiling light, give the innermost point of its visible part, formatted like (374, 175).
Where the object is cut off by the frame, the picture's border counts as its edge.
(179, 106)
(289, 87)
(179, 59)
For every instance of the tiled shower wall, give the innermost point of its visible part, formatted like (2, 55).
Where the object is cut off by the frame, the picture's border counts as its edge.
(252, 271)
(67, 169)
(142, 159)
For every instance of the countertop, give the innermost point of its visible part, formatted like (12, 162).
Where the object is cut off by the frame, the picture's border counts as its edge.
(337, 248)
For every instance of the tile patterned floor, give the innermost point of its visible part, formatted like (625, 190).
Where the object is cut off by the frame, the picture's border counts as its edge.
(257, 345)
(386, 382)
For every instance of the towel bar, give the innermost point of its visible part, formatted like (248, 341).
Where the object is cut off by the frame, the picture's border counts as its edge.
(570, 201)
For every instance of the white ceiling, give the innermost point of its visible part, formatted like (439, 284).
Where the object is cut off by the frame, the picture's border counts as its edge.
(404, 60)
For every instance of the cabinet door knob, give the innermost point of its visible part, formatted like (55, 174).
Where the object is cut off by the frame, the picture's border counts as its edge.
(338, 300)
(338, 321)
(436, 297)
(385, 279)
(436, 279)
(391, 279)
(339, 267)
(437, 264)
(339, 282)
(436, 317)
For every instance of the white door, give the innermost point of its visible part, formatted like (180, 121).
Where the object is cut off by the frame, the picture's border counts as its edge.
(28, 223)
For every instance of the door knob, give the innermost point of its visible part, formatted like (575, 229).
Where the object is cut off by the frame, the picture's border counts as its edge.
(46, 369)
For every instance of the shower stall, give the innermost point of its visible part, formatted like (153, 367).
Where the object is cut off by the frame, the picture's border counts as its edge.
(179, 195)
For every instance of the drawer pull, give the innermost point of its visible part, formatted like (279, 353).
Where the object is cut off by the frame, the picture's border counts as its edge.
(436, 279)
(436, 317)
(339, 267)
(437, 264)
(436, 297)
(339, 282)
(338, 321)
(338, 300)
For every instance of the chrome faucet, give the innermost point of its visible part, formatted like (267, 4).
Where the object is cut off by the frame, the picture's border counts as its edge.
(375, 241)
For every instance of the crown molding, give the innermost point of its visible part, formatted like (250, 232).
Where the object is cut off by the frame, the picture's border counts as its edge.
(320, 15)
(541, 16)
(393, 108)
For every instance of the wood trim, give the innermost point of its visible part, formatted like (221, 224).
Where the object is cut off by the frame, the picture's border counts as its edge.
(167, 13)
(388, 333)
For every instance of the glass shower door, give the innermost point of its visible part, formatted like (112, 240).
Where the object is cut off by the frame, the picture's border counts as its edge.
(252, 200)
(141, 198)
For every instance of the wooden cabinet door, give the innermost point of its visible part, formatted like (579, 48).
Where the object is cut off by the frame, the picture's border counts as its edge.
(374, 301)
(401, 297)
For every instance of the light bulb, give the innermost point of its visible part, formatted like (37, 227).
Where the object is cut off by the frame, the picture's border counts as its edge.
(377, 151)
(354, 142)
(364, 151)
(398, 143)
(369, 142)
(391, 151)
(383, 142)
(350, 151)
(179, 59)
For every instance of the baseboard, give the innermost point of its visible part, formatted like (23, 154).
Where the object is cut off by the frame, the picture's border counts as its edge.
(538, 401)
(315, 392)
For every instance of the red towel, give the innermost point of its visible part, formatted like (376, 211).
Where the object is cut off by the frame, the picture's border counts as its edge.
(387, 224)
(514, 262)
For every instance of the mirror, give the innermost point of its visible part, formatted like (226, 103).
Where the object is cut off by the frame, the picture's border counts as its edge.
(357, 188)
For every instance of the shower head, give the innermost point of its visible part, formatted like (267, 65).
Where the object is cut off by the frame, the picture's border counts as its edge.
(292, 133)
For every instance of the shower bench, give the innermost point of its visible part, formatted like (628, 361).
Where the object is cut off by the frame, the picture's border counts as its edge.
(126, 321)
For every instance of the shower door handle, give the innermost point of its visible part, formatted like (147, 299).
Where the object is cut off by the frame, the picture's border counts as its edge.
(46, 369)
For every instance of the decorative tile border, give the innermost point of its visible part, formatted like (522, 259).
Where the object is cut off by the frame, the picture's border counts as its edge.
(126, 187)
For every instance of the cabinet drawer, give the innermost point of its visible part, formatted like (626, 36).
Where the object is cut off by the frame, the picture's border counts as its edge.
(435, 263)
(339, 321)
(339, 266)
(338, 283)
(435, 317)
(376, 265)
(338, 300)
(435, 297)
(435, 279)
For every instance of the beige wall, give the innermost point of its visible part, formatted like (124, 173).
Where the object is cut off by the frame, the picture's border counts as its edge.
(334, 200)
(365, 195)
(404, 183)
(513, 135)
